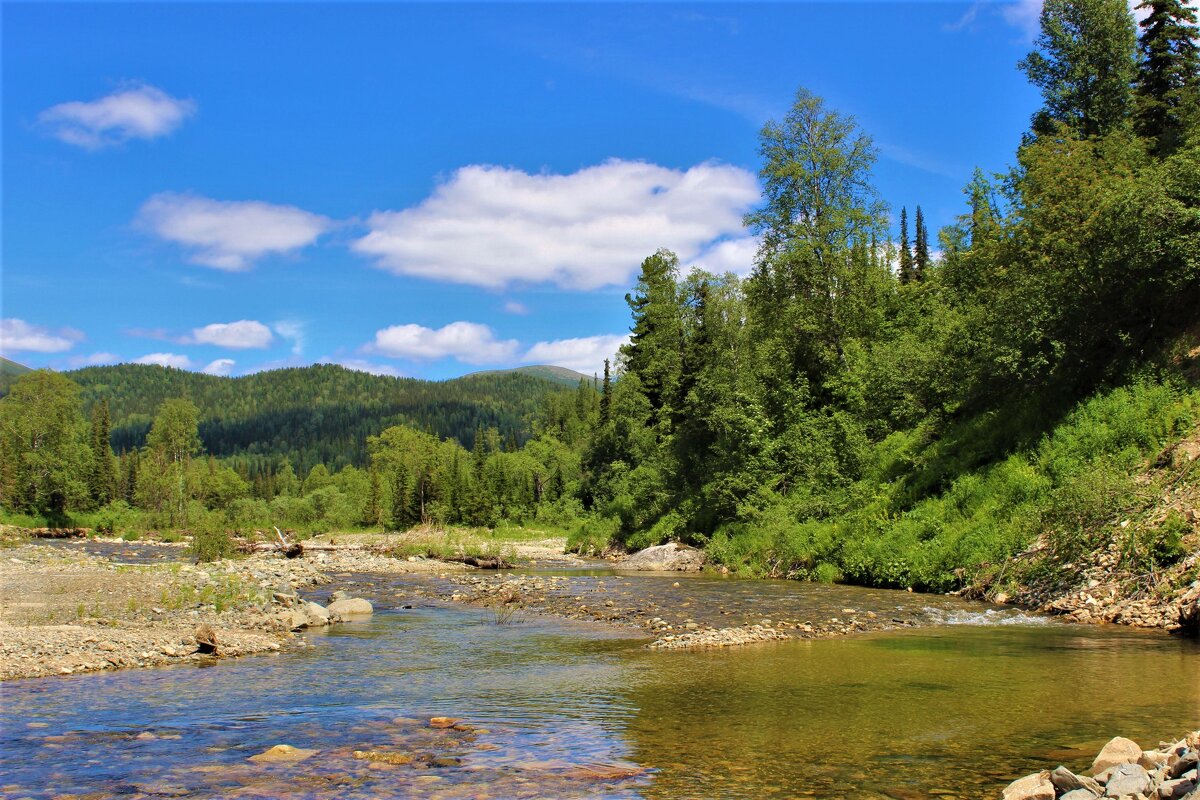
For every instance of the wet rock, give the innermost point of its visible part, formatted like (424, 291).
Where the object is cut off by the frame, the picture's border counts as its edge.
(443, 722)
(317, 615)
(351, 607)
(1119, 750)
(1176, 789)
(282, 753)
(383, 757)
(1079, 794)
(671, 557)
(1031, 787)
(1066, 781)
(1127, 779)
(206, 639)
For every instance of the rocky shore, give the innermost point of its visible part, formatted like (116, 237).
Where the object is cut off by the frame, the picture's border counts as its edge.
(1121, 770)
(65, 611)
(666, 611)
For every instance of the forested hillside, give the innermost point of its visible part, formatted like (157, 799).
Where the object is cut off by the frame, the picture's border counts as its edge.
(320, 414)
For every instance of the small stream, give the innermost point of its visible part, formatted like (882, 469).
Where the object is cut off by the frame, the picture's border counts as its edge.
(557, 708)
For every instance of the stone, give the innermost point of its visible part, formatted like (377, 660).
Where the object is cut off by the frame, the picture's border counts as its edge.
(670, 557)
(1079, 794)
(1066, 781)
(1119, 750)
(1176, 789)
(1127, 779)
(317, 615)
(1186, 762)
(351, 607)
(1031, 787)
(282, 753)
(1152, 759)
(292, 619)
(443, 722)
(206, 639)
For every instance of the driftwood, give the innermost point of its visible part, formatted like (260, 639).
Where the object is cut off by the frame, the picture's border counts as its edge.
(482, 562)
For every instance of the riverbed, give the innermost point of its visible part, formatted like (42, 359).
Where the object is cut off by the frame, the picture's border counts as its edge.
(551, 707)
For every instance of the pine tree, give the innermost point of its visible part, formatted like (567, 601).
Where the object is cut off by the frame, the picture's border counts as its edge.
(907, 273)
(606, 395)
(921, 255)
(1085, 64)
(102, 476)
(1168, 80)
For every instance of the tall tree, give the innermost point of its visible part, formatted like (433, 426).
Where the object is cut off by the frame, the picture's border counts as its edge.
(173, 439)
(818, 204)
(1084, 63)
(921, 251)
(44, 453)
(907, 274)
(102, 476)
(654, 349)
(1168, 80)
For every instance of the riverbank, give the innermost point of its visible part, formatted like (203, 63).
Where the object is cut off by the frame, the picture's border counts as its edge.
(64, 610)
(1121, 769)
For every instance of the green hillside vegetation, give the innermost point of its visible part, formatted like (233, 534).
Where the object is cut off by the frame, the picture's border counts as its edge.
(567, 377)
(11, 368)
(320, 414)
(861, 408)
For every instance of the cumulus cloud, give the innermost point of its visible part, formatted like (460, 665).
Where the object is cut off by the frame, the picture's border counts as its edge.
(515, 307)
(732, 255)
(229, 235)
(468, 342)
(165, 360)
(220, 366)
(585, 354)
(293, 331)
(492, 226)
(138, 112)
(93, 360)
(19, 336)
(360, 365)
(238, 335)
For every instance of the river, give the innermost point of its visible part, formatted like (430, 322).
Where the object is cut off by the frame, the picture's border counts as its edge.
(556, 708)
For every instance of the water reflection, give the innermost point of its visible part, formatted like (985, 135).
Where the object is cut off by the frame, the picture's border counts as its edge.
(955, 710)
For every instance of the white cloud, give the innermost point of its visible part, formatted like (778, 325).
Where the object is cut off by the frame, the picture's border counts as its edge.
(220, 366)
(359, 365)
(492, 226)
(1023, 14)
(293, 331)
(468, 342)
(139, 112)
(93, 360)
(585, 354)
(229, 235)
(165, 360)
(238, 335)
(732, 255)
(19, 336)
(514, 307)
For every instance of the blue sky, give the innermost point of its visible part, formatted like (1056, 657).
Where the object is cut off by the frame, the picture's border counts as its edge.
(433, 189)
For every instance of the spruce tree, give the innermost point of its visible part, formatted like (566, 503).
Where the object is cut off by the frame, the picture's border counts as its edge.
(1168, 80)
(921, 256)
(1085, 64)
(907, 273)
(102, 477)
(606, 394)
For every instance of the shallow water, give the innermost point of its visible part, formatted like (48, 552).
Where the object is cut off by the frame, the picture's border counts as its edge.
(956, 710)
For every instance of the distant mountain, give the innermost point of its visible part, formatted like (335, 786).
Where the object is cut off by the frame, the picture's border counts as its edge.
(317, 414)
(567, 377)
(11, 368)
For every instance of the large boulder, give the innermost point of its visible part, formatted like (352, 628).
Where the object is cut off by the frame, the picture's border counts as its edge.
(1031, 787)
(350, 607)
(317, 615)
(1127, 779)
(1119, 750)
(670, 557)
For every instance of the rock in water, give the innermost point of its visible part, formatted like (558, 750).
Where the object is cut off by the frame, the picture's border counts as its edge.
(443, 722)
(281, 753)
(1031, 787)
(317, 615)
(1119, 750)
(351, 607)
(206, 639)
(1127, 779)
(1066, 781)
(670, 557)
